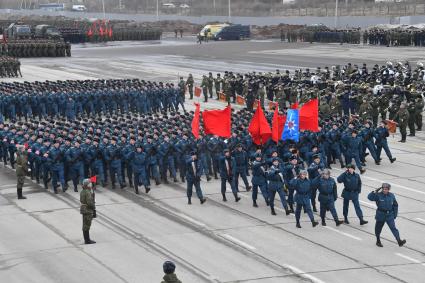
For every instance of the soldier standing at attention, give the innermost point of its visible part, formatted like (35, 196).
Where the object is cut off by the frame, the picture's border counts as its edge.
(21, 169)
(87, 209)
(189, 84)
(386, 212)
(402, 118)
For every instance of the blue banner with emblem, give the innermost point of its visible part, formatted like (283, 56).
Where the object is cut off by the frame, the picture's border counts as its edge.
(291, 130)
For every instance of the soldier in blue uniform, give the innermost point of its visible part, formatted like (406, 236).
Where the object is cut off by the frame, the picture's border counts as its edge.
(215, 147)
(302, 188)
(381, 134)
(57, 158)
(259, 179)
(152, 153)
(240, 163)
(193, 177)
(386, 212)
(367, 136)
(74, 157)
(334, 139)
(44, 160)
(227, 170)
(138, 162)
(354, 148)
(352, 189)
(327, 195)
(276, 184)
(97, 162)
(314, 171)
(166, 154)
(291, 171)
(114, 157)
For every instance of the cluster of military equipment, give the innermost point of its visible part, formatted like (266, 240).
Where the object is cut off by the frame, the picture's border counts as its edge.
(10, 67)
(22, 48)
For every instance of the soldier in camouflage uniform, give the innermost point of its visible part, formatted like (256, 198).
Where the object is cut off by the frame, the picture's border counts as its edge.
(21, 169)
(87, 209)
(402, 117)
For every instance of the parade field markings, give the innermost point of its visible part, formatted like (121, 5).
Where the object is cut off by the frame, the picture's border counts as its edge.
(343, 233)
(410, 259)
(239, 242)
(303, 274)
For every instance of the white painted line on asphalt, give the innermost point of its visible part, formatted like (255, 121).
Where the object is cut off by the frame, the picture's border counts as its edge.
(190, 219)
(392, 184)
(420, 219)
(8, 185)
(343, 233)
(303, 274)
(408, 258)
(239, 242)
(366, 204)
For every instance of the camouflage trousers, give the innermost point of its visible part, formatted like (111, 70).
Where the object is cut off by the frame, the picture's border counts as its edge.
(87, 219)
(21, 180)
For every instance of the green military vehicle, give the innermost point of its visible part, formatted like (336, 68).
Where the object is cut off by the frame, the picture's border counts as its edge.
(47, 32)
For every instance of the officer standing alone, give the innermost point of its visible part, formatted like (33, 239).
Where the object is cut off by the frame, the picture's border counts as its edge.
(386, 212)
(87, 209)
(21, 169)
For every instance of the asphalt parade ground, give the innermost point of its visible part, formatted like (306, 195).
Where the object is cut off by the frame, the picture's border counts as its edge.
(41, 238)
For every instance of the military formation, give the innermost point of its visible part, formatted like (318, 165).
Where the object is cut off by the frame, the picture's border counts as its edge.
(395, 37)
(131, 134)
(10, 67)
(322, 34)
(371, 36)
(389, 92)
(23, 48)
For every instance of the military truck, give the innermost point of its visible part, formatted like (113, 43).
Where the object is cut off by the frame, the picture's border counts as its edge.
(18, 31)
(46, 31)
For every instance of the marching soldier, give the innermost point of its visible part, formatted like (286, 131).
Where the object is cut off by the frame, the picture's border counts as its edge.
(193, 178)
(386, 212)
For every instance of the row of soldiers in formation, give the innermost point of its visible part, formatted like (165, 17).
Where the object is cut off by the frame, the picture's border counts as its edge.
(94, 97)
(351, 36)
(10, 67)
(395, 37)
(144, 148)
(375, 36)
(393, 91)
(35, 48)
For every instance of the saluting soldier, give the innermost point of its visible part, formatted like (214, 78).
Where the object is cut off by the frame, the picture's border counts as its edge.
(386, 212)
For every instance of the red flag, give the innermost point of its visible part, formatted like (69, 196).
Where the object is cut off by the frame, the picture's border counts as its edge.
(93, 179)
(110, 32)
(195, 121)
(198, 91)
(309, 116)
(259, 127)
(90, 32)
(295, 105)
(26, 145)
(218, 122)
(278, 124)
(101, 31)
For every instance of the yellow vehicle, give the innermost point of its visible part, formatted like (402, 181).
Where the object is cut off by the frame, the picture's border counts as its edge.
(209, 31)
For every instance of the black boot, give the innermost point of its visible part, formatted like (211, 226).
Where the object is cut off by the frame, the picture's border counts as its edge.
(87, 240)
(291, 208)
(203, 200)
(378, 243)
(75, 189)
(338, 222)
(298, 224)
(224, 197)
(314, 208)
(189, 201)
(401, 242)
(346, 220)
(157, 182)
(254, 203)
(237, 198)
(208, 178)
(248, 188)
(272, 211)
(323, 222)
(393, 159)
(147, 189)
(287, 211)
(314, 223)
(363, 222)
(136, 189)
(20, 196)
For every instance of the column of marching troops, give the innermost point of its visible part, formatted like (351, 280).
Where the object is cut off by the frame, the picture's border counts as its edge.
(10, 67)
(23, 48)
(372, 36)
(131, 133)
